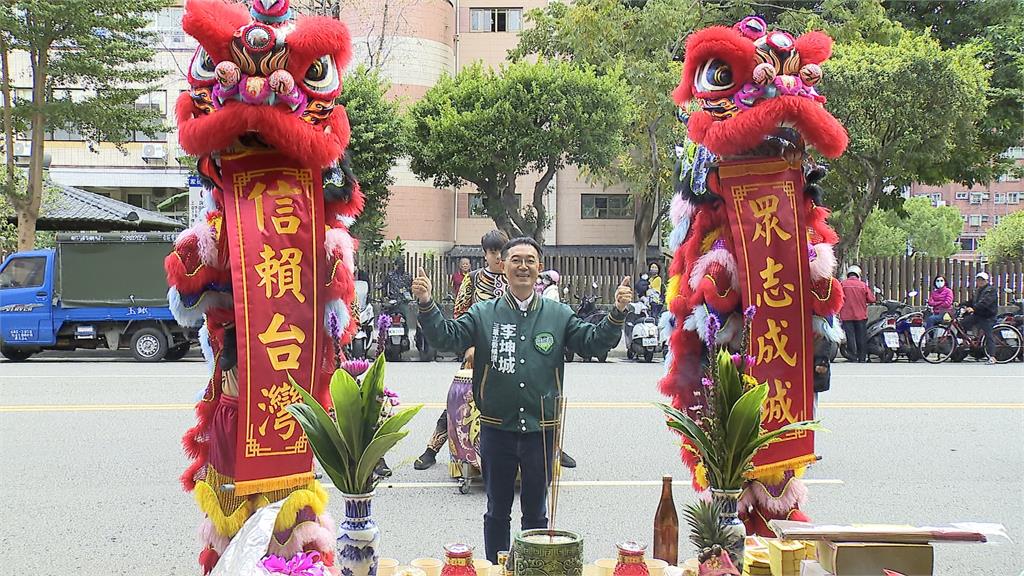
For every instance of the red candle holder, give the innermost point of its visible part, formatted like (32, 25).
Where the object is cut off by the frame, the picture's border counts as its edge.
(458, 560)
(631, 559)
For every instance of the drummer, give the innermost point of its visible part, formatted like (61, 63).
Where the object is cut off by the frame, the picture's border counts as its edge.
(517, 380)
(480, 284)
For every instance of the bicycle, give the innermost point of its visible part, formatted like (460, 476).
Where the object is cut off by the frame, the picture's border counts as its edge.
(950, 340)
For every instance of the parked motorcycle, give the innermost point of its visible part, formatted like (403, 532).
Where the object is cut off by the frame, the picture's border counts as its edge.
(394, 329)
(910, 327)
(883, 339)
(587, 311)
(1014, 318)
(365, 337)
(640, 331)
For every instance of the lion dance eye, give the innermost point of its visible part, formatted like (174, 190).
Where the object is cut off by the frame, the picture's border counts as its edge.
(714, 75)
(322, 75)
(203, 67)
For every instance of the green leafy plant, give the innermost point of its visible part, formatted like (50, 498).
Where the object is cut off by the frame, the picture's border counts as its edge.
(706, 528)
(349, 444)
(728, 432)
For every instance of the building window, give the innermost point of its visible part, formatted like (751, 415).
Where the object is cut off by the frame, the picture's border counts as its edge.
(974, 220)
(605, 207)
(156, 101)
(996, 219)
(496, 19)
(984, 218)
(962, 195)
(477, 209)
(977, 197)
(967, 244)
(1000, 198)
(1013, 197)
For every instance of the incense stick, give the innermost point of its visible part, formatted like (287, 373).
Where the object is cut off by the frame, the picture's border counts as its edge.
(557, 453)
(544, 448)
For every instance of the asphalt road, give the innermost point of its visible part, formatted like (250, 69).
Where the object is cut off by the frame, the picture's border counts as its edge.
(90, 457)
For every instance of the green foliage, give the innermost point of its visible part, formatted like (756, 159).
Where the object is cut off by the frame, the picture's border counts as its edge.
(729, 432)
(349, 445)
(1005, 241)
(486, 128)
(706, 529)
(909, 108)
(394, 248)
(931, 230)
(638, 40)
(377, 142)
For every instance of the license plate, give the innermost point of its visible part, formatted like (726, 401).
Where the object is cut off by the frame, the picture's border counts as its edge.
(916, 332)
(650, 342)
(396, 331)
(892, 340)
(1010, 334)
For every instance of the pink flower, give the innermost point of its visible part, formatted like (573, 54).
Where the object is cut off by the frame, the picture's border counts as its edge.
(355, 368)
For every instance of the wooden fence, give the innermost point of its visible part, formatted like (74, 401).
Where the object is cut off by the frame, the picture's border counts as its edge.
(895, 276)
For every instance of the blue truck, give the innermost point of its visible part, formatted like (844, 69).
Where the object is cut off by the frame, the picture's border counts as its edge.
(92, 291)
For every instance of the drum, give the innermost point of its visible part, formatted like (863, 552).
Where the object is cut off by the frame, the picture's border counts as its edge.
(463, 425)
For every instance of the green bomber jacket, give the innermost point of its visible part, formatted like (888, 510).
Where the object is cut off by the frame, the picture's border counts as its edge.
(520, 356)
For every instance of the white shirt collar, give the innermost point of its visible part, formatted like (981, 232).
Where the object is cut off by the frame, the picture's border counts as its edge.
(524, 305)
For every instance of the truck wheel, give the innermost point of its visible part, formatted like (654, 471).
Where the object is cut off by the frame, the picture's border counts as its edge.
(149, 345)
(178, 352)
(15, 354)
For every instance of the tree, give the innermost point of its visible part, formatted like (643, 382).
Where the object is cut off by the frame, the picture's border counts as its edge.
(643, 41)
(380, 24)
(376, 143)
(96, 44)
(917, 226)
(908, 107)
(1005, 241)
(486, 128)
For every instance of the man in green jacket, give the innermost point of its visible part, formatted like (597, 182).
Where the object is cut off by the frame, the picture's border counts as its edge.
(517, 380)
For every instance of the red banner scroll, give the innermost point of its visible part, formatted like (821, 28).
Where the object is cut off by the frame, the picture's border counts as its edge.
(274, 217)
(764, 199)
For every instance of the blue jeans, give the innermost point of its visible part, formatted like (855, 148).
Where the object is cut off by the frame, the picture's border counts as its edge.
(502, 455)
(933, 320)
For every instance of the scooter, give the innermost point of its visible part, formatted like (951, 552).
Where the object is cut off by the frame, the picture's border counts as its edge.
(910, 327)
(1014, 318)
(587, 311)
(883, 340)
(641, 331)
(365, 337)
(394, 328)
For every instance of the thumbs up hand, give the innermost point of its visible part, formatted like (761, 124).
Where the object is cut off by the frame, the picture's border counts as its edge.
(624, 294)
(421, 287)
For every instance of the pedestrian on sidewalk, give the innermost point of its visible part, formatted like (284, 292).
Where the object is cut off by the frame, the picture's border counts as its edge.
(854, 314)
(517, 380)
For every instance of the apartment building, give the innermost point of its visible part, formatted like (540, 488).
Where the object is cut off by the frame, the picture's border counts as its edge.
(982, 205)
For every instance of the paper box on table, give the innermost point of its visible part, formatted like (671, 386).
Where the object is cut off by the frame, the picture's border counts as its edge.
(812, 568)
(859, 558)
(785, 556)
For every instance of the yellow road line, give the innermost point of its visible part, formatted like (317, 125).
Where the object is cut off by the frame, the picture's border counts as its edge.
(583, 483)
(581, 405)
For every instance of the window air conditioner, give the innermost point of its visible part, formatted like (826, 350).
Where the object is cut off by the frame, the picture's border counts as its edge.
(154, 152)
(22, 149)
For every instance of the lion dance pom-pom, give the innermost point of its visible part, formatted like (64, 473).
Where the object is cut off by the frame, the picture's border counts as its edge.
(267, 269)
(750, 230)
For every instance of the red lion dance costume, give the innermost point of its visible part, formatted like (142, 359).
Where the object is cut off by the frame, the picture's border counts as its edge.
(750, 230)
(269, 266)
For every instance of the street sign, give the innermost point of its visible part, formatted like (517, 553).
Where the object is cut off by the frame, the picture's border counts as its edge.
(195, 198)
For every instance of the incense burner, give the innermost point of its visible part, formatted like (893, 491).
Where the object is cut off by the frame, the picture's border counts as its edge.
(544, 552)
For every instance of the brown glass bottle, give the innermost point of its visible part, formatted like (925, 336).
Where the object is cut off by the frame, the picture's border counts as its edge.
(666, 525)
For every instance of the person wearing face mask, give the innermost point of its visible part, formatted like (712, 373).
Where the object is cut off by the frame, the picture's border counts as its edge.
(520, 342)
(940, 301)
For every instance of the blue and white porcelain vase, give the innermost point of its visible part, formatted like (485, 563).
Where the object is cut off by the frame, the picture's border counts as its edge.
(357, 550)
(730, 522)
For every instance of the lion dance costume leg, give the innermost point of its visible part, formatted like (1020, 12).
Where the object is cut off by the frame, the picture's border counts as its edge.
(750, 230)
(269, 266)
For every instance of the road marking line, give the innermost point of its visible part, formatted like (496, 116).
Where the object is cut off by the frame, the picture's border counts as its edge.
(580, 483)
(581, 405)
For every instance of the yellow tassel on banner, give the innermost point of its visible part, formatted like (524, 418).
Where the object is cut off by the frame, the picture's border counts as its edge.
(766, 473)
(247, 487)
(206, 498)
(672, 289)
(315, 497)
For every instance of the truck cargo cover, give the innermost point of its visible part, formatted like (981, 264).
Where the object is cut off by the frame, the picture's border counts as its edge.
(113, 269)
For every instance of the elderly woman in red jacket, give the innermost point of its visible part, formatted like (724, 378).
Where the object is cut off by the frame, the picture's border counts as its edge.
(940, 301)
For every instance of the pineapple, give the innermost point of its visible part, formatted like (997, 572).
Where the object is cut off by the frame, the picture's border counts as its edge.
(705, 528)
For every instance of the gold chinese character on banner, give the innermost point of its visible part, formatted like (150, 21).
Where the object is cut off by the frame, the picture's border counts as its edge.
(765, 209)
(277, 398)
(284, 356)
(778, 407)
(281, 271)
(773, 343)
(776, 294)
(284, 218)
